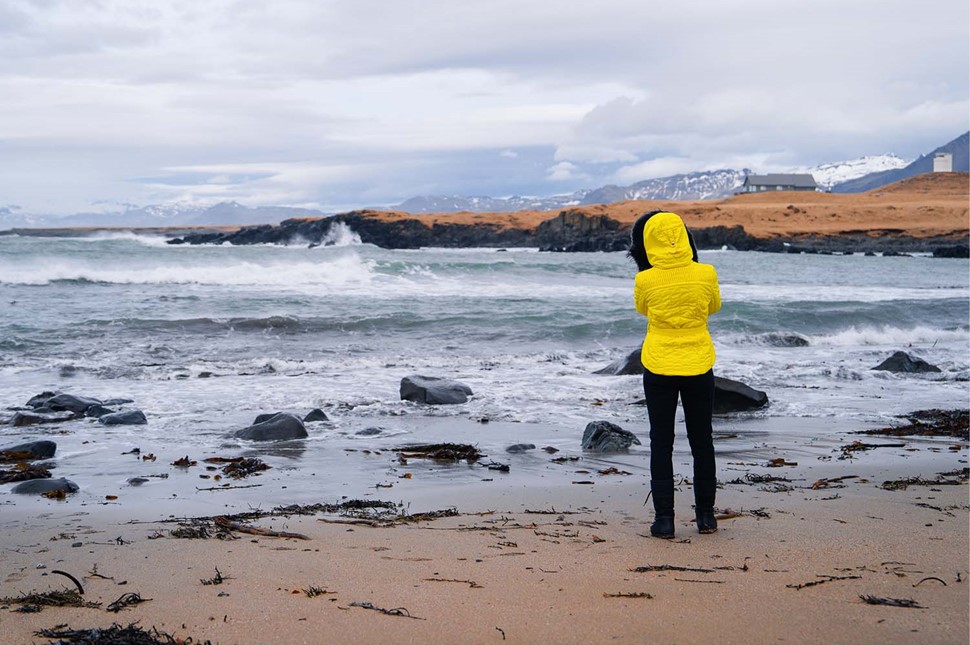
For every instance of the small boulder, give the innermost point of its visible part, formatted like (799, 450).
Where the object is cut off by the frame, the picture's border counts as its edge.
(521, 447)
(316, 414)
(76, 404)
(22, 419)
(125, 418)
(902, 362)
(629, 364)
(281, 427)
(98, 411)
(36, 450)
(137, 481)
(266, 416)
(783, 339)
(603, 436)
(734, 396)
(39, 400)
(368, 432)
(433, 390)
(40, 486)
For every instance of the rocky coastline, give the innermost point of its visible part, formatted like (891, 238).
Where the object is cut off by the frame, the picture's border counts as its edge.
(570, 231)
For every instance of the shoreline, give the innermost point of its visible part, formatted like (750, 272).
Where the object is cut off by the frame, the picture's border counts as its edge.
(531, 558)
(924, 214)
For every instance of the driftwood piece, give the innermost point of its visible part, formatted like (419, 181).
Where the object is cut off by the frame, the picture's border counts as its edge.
(224, 522)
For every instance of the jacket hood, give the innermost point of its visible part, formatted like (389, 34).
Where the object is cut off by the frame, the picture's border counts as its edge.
(666, 242)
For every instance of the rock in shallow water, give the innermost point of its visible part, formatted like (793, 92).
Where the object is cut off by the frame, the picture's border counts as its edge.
(734, 396)
(22, 419)
(40, 486)
(433, 390)
(281, 427)
(36, 449)
(603, 436)
(901, 362)
(126, 418)
(316, 414)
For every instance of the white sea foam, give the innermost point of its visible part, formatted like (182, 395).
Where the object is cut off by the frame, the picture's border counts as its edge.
(892, 336)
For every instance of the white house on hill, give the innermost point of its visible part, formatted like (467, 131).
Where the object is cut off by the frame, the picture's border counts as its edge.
(762, 183)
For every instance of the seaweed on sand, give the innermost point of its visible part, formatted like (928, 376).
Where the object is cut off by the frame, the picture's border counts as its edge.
(441, 452)
(22, 472)
(930, 423)
(114, 635)
(58, 598)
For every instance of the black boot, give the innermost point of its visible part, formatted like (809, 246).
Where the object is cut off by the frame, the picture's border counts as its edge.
(705, 490)
(663, 505)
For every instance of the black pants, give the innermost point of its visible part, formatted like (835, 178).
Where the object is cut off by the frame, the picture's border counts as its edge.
(697, 396)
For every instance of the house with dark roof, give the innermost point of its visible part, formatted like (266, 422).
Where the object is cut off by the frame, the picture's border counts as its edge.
(763, 183)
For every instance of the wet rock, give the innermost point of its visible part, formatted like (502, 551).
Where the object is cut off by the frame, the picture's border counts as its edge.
(125, 418)
(734, 396)
(901, 362)
(783, 339)
(603, 436)
(316, 414)
(521, 447)
(281, 427)
(76, 404)
(36, 418)
(39, 400)
(433, 390)
(368, 432)
(954, 251)
(39, 486)
(266, 416)
(98, 411)
(629, 364)
(117, 401)
(36, 449)
(137, 481)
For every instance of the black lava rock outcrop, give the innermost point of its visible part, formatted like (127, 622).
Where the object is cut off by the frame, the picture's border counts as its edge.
(901, 362)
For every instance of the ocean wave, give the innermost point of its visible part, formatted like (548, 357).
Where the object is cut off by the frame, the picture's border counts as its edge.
(890, 335)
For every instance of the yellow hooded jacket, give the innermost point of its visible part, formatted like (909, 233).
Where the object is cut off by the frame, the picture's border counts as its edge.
(676, 295)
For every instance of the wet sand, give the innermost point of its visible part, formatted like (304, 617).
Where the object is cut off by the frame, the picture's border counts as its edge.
(532, 560)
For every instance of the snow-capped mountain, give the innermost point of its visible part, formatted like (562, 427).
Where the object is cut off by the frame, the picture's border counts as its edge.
(457, 203)
(830, 174)
(711, 184)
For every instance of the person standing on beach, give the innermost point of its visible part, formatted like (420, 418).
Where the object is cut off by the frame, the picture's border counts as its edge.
(676, 293)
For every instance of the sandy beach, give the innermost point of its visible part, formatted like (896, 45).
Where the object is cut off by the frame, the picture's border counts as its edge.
(802, 541)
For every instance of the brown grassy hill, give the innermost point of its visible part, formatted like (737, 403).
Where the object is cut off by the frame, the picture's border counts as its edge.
(930, 205)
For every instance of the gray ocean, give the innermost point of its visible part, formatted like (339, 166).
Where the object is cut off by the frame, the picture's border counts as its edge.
(203, 338)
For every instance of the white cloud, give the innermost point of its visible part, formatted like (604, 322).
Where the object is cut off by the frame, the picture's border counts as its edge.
(356, 102)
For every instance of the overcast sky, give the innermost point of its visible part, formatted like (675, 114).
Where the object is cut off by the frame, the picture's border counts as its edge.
(336, 104)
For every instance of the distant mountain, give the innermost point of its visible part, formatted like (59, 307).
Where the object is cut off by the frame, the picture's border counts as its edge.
(959, 148)
(831, 174)
(712, 184)
(174, 214)
(457, 203)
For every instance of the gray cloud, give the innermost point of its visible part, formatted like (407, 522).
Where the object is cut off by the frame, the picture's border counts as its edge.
(337, 104)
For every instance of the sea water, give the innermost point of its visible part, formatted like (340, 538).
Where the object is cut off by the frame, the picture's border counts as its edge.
(203, 338)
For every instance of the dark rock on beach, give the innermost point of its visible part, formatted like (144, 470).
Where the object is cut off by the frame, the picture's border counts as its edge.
(98, 411)
(125, 418)
(734, 396)
(729, 396)
(281, 427)
(630, 364)
(603, 436)
(40, 486)
(266, 416)
(316, 414)
(901, 362)
(521, 447)
(34, 449)
(36, 418)
(76, 404)
(955, 251)
(433, 390)
(368, 432)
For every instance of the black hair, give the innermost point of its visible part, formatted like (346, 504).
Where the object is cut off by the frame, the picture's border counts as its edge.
(637, 249)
